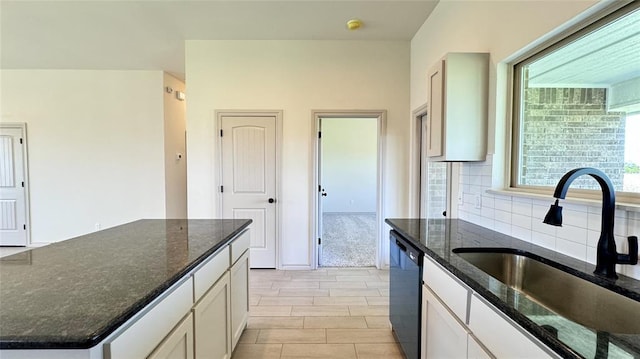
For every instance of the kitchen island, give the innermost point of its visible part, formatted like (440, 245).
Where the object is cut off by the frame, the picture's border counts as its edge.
(85, 297)
(458, 288)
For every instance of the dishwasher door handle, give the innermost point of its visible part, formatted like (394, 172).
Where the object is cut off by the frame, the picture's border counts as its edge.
(401, 246)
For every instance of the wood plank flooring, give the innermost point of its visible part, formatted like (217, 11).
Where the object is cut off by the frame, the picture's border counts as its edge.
(325, 313)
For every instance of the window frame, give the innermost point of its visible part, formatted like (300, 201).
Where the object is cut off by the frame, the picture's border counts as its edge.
(514, 159)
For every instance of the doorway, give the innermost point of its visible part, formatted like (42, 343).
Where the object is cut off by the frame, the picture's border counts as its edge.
(434, 182)
(348, 215)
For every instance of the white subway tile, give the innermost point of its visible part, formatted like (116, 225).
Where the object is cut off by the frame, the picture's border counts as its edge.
(591, 255)
(486, 181)
(502, 216)
(620, 226)
(592, 238)
(521, 220)
(487, 212)
(476, 190)
(488, 201)
(538, 226)
(523, 208)
(575, 207)
(502, 227)
(574, 218)
(593, 221)
(475, 180)
(502, 204)
(475, 219)
(571, 249)
(573, 234)
(488, 222)
(523, 234)
(543, 240)
(539, 212)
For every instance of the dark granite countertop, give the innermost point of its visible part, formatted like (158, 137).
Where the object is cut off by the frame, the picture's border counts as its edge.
(74, 293)
(438, 237)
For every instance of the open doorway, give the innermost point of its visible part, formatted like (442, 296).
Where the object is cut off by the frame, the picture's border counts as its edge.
(348, 202)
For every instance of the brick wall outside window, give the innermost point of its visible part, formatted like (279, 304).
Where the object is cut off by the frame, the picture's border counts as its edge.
(566, 128)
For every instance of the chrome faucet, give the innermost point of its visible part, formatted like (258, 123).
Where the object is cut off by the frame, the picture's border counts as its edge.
(607, 256)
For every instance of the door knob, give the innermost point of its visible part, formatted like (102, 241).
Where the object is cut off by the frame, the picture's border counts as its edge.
(271, 200)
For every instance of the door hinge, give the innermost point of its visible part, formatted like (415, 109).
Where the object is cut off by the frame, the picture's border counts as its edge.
(23, 184)
(221, 189)
(21, 141)
(24, 226)
(319, 134)
(319, 240)
(221, 132)
(319, 188)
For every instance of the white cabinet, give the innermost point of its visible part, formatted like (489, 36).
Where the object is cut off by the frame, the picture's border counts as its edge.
(239, 297)
(212, 322)
(458, 87)
(178, 344)
(501, 337)
(458, 324)
(443, 335)
(475, 350)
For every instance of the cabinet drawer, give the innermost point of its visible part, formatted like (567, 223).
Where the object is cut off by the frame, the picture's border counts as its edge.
(499, 336)
(448, 289)
(147, 331)
(213, 268)
(240, 245)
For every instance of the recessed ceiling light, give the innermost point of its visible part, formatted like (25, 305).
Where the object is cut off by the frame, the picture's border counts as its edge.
(354, 24)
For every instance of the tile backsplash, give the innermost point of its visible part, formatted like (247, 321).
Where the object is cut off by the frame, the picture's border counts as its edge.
(522, 218)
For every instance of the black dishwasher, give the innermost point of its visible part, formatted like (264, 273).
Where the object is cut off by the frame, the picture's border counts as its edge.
(405, 294)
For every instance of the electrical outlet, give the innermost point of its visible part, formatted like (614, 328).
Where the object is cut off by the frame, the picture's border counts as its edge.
(97, 225)
(478, 201)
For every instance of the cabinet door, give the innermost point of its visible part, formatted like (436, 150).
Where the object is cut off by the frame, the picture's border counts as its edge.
(239, 297)
(475, 350)
(178, 344)
(212, 321)
(443, 335)
(435, 111)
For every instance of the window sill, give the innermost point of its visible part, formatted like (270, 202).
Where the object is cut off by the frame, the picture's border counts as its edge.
(624, 206)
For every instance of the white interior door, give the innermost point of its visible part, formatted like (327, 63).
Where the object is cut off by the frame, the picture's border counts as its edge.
(13, 212)
(249, 180)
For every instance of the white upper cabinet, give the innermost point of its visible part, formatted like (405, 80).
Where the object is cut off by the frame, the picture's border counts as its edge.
(458, 87)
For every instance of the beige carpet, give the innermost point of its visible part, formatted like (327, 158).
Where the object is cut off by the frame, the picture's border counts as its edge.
(348, 240)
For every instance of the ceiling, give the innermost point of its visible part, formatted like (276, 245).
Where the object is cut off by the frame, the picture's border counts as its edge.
(150, 35)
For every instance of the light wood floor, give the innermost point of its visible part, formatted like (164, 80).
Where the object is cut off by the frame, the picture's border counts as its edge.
(326, 313)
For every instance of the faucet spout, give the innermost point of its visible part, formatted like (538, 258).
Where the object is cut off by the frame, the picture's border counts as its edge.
(607, 255)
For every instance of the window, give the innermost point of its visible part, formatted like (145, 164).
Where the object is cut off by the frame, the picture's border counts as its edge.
(577, 104)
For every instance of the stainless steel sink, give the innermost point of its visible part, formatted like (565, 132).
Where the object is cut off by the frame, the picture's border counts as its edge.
(572, 297)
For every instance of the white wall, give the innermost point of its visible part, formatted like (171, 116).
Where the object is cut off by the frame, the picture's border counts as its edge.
(175, 168)
(505, 29)
(95, 147)
(296, 77)
(349, 164)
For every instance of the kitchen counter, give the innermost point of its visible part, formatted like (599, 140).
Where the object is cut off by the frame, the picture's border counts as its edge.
(74, 293)
(438, 237)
